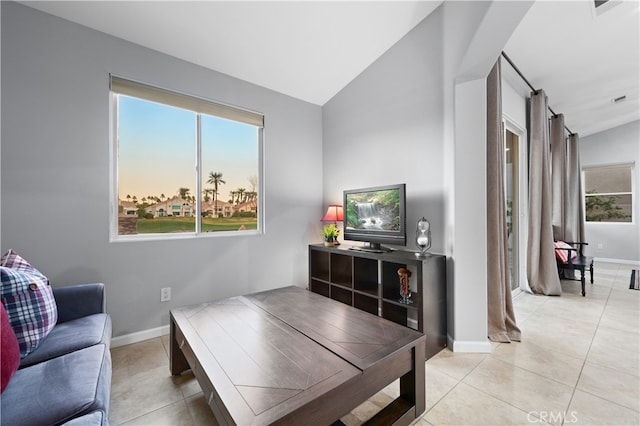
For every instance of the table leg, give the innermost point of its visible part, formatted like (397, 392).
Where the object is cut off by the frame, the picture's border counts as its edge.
(412, 384)
(177, 362)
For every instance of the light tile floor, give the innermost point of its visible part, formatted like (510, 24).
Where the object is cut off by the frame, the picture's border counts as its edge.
(578, 363)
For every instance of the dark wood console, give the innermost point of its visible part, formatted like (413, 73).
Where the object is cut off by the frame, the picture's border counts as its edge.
(370, 282)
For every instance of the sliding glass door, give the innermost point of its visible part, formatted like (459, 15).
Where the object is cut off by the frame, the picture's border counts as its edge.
(516, 196)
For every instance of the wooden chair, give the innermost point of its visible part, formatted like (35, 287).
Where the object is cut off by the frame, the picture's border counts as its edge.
(574, 262)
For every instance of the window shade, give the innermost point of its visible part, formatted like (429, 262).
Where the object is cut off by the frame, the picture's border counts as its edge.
(179, 100)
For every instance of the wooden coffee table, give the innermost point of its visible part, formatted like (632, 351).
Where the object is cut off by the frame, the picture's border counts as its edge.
(289, 356)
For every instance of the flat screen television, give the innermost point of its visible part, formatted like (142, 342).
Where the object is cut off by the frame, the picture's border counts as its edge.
(376, 215)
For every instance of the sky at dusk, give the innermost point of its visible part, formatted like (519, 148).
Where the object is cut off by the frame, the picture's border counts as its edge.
(157, 150)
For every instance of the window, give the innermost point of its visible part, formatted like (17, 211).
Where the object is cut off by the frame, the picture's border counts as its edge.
(182, 165)
(608, 193)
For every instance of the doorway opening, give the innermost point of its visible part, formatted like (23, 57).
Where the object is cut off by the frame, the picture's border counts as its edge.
(516, 206)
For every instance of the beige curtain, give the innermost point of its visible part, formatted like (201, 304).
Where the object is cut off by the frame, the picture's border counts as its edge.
(558, 176)
(542, 271)
(574, 209)
(501, 318)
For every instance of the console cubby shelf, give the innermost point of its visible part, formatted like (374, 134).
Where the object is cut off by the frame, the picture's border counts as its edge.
(370, 282)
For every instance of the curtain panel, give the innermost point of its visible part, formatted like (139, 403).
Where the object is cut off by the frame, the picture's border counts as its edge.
(568, 223)
(542, 271)
(574, 209)
(558, 176)
(500, 315)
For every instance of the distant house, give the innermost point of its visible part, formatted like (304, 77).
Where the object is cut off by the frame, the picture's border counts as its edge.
(127, 208)
(249, 206)
(175, 206)
(217, 209)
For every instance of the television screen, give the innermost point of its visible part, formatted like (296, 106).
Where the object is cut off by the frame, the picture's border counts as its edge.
(374, 210)
(375, 215)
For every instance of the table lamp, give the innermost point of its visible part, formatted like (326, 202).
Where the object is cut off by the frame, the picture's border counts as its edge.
(334, 214)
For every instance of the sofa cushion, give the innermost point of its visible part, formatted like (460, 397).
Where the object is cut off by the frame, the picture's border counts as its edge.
(59, 390)
(28, 299)
(9, 350)
(79, 300)
(94, 418)
(70, 336)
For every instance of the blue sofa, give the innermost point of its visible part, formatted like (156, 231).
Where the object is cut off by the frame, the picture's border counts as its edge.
(67, 379)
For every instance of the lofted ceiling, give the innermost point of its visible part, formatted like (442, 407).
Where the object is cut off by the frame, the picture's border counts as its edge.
(310, 50)
(583, 58)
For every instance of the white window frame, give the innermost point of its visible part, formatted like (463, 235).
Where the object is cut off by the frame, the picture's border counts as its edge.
(198, 105)
(632, 166)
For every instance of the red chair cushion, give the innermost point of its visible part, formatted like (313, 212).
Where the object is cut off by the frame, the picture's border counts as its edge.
(562, 254)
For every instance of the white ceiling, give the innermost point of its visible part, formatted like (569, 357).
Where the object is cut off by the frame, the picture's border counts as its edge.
(306, 49)
(312, 49)
(583, 59)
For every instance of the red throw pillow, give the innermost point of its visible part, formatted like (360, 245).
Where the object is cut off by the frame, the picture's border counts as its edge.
(562, 254)
(9, 350)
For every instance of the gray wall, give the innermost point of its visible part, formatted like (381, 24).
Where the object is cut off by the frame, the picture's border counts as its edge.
(619, 241)
(416, 115)
(55, 174)
(385, 127)
(420, 104)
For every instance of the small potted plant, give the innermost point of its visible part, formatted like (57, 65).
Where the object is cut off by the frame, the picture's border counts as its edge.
(331, 233)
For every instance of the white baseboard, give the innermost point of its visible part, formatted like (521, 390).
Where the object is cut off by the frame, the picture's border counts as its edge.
(623, 261)
(469, 346)
(139, 336)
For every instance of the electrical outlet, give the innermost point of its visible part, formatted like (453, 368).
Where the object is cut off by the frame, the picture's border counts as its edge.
(165, 294)
(600, 246)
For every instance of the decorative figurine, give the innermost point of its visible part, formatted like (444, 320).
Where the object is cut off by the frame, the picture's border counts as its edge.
(405, 288)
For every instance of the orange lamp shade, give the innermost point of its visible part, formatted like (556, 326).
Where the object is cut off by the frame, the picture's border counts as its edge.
(334, 214)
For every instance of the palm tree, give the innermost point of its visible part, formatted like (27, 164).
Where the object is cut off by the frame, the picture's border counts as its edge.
(206, 193)
(232, 194)
(128, 197)
(184, 193)
(242, 197)
(215, 179)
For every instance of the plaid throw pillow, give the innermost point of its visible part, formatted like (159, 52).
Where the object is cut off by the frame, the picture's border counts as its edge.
(28, 300)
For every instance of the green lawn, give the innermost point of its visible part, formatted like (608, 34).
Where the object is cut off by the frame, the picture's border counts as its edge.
(187, 224)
